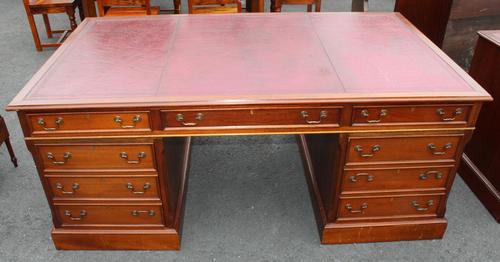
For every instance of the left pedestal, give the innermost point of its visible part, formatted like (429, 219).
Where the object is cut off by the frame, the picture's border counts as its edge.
(114, 193)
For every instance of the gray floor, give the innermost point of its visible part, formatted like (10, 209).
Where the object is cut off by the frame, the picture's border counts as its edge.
(247, 198)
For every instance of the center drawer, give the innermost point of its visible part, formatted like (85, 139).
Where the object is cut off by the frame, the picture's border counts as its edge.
(103, 187)
(363, 208)
(310, 116)
(432, 148)
(108, 215)
(96, 156)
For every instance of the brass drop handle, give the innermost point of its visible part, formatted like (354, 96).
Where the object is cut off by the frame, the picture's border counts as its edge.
(437, 175)
(322, 115)
(140, 156)
(74, 187)
(417, 206)
(66, 157)
(365, 113)
(355, 178)
(83, 213)
(180, 118)
(59, 121)
(137, 213)
(360, 210)
(359, 149)
(131, 187)
(136, 119)
(442, 113)
(433, 148)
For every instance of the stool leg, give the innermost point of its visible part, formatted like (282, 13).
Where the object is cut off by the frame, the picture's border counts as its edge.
(317, 5)
(177, 6)
(79, 4)
(309, 8)
(34, 31)
(47, 25)
(71, 14)
(11, 152)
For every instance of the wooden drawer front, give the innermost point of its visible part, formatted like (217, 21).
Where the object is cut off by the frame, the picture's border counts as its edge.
(394, 179)
(327, 116)
(108, 156)
(394, 115)
(71, 215)
(103, 187)
(389, 206)
(45, 124)
(394, 149)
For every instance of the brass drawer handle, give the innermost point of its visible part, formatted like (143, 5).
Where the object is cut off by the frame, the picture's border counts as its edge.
(180, 118)
(140, 156)
(131, 187)
(135, 120)
(83, 213)
(359, 149)
(137, 213)
(355, 178)
(437, 175)
(360, 210)
(74, 187)
(322, 115)
(58, 122)
(66, 157)
(433, 148)
(417, 206)
(442, 113)
(365, 113)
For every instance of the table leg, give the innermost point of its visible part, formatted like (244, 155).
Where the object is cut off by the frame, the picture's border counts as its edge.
(88, 7)
(255, 5)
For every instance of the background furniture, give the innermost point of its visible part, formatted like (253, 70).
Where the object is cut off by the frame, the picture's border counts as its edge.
(45, 7)
(380, 152)
(277, 4)
(359, 6)
(481, 160)
(126, 8)
(4, 137)
(214, 6)
(429, 16)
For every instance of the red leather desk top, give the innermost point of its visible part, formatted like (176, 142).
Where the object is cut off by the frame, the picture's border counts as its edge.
(245, 58)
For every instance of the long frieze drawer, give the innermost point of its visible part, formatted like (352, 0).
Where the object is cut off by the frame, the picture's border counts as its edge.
(327, 116)
(418, 114)
(386, 207)
(109, 215)
(403, 149)
(405, 178)
(96, 156)
(58, 123)
(103, 187)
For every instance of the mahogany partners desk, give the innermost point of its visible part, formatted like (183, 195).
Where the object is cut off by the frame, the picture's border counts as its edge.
(382, 117)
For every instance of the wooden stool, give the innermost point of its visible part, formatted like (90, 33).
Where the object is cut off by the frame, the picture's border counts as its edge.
(127, 8)
(45, 7)
(214, 6)
(4, 137)
(276, 4)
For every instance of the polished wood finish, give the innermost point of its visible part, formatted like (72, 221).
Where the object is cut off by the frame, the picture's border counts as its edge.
(429, 16)
(176, 84)
(481, 160)
(214, 6)
(126, 8)
(277, 4)
(5, 138)
(45, 7)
